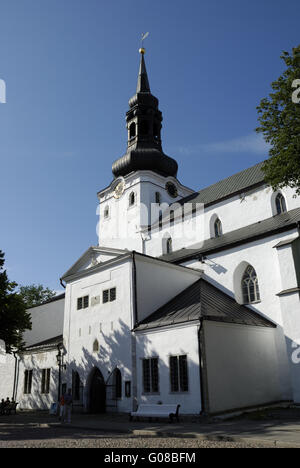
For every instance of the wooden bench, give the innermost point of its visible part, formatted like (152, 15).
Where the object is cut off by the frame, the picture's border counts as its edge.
(156, 411)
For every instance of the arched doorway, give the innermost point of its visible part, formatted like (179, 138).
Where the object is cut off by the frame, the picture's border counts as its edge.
(97, 394)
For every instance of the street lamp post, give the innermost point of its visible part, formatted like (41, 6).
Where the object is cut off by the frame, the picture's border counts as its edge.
(61, 365)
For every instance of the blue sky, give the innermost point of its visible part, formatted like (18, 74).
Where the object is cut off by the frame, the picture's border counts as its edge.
(70, 67)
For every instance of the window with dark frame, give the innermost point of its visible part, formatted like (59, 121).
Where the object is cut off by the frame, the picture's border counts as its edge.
(45, 381)
(250, 286)
(150, 375)
(132, 199)
(157, 197)
(179, 373)
(82, 302)
(172, 217)
(109, 295)
(128, 389)
(27, 382)
(280, 204)
(218, 228)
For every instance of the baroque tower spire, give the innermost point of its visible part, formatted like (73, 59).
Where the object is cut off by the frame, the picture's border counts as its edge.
(143, 121)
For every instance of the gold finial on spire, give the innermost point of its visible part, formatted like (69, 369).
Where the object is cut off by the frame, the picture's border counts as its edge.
(142, 50)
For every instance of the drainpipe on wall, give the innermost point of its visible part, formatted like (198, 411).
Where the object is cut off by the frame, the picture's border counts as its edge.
(133, 338)
(202, 370)
(62, 283)
(15, 376)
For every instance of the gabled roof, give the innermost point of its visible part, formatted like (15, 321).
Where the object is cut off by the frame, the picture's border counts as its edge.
(267, 227)
(89, 254)
(237, 183)
(204, 301)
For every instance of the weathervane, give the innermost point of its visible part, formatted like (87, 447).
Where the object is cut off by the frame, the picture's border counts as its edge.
(144, 36)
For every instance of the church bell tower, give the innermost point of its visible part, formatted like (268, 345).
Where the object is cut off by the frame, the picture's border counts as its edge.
(143, 176)
(144, 149)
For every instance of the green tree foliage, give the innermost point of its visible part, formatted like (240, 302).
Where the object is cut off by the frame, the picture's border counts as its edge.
(14, 319)
(279, 119)
(34, 295)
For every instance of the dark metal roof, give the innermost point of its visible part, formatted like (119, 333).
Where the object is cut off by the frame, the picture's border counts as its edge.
(237, 183)
(53, 299)
(203, 300)
(261, 229)
(50, 343)
(144, 149)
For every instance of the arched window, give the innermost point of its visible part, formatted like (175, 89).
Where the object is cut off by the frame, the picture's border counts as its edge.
(218, 228)
(106, 212)
(160, 223)
(132, 131)
(118, 383)
(250, 288)
(280, 203)
(169, 245)
(172, 216)
(132, 199)
(96, 346)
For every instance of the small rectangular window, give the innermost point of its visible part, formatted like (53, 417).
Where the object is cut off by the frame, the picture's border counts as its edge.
(45, 381)
(82, 302)
(150, 375)
(27, 381)
(179, 374)
(85, 302)
(105, 296)
(109, 295)
(112, 294)
(128, 389)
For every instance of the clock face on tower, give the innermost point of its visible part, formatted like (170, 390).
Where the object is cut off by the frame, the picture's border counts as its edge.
(119, 189)
(171, 189)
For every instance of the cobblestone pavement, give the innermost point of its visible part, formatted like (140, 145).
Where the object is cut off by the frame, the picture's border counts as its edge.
(20, 436)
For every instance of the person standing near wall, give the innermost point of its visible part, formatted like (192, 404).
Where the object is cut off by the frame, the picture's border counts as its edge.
(61, 408)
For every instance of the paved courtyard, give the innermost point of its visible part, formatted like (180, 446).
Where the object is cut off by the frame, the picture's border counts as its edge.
(273, 428)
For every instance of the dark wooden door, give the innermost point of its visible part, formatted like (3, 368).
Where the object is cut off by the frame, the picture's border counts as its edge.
(97, 393)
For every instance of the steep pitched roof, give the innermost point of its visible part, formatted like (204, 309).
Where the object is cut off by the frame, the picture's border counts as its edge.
(203, 300)
(267, 227)
(244, 180)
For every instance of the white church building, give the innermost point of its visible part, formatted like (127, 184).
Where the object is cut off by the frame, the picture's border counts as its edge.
(190, 297)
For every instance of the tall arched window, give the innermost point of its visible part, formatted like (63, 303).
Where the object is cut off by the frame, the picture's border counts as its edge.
(172, 217)
(106, 212)
(280, 204)
(169, 245)
(132, 199)
(157, 197)
(218, 228)
(132, 131)
(250, 288)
